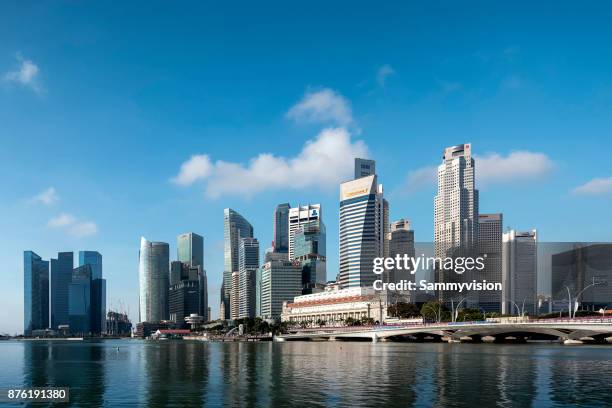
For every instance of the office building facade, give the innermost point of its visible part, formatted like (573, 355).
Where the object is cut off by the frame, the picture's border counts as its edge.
(455, 212)
(310, 252)
(490, 237)
(60, 278)
(400, 241)
(190, 249)
(80, 301)
(586, 270)
(153, 271)
(35, 293)
(281, 281)
(519, 272)
(248, 264)
(235, 227)
(364, 168)
(302, 216)
(280, 243)
(363, 230)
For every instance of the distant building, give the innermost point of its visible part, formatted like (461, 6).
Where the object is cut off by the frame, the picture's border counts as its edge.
(490, 231)
(281, 281)
(363, 230)
(98, 290)
(190, 249)
(154, 274)
(235, 226)
(579, 267)
(455, 212)
(336, 306)
(79, 301)
(118, 324)
(281, 228)
(93, 258)
(519, 272)
(300, 217)
(364, 168)
(61, 276)
(400, 242)
(235, 296)
(187, 293)
(248, 264)
(35, 293)
(310, 252)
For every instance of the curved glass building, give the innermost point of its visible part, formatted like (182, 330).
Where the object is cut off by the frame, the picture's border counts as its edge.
(153, 271)
(235, 226)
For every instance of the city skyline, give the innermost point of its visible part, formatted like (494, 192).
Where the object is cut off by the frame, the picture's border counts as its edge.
(513, 97)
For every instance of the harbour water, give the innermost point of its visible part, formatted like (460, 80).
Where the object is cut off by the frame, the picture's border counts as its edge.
(325, 374)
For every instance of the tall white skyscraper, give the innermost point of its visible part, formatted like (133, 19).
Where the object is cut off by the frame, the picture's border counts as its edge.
(363, 228)
(154, 279)
(519, 271)
(456, 209)
(301, 217)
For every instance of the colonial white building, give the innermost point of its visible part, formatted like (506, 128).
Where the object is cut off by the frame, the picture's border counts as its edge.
(335, 305)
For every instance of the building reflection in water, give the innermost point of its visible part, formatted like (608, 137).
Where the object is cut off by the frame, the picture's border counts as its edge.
(79, 366)
(176, 373)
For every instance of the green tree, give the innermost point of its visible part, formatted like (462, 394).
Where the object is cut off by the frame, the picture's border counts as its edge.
(404, 310)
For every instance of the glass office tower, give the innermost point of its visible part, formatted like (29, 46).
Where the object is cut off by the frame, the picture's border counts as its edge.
(79, 300)
(153, 271)
(190, 248)
(281, 228)
(35, 293)
(248, 264)
(61, 276)
(94, 259)
(235, 227)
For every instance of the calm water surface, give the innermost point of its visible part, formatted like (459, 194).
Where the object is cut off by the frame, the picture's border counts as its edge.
(301, 374)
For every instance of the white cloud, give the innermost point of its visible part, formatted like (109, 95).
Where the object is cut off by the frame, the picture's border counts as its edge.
(47, 197)
(596, 186)
(25, 74)
(491, 169)
(83, 229)
(323, 163)
(421, 178)
(62, 220)
(494, 168)
(196, 168)
(324, 106)
(382, 74)
(73, 226)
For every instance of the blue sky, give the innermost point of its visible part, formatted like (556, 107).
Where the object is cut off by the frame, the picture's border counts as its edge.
(100, 107)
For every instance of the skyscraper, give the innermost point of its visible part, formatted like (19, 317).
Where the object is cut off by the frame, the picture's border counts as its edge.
(35, 293)
(281, 228)
(362, 230)
(153, 273)
(519, 271)
(401, 242)
(301, 217)
(456, 210)
(190, 248)
(490, 231)
(98, 290)
(79, 300)
(281, 281)
(93, 258)
(60, 277)
(235, 227)
(364, 168)
(310, 252)
(248, 264)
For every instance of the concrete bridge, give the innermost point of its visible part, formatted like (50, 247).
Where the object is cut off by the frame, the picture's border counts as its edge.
(569, 330)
